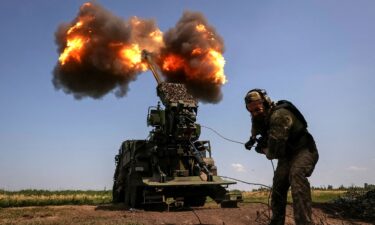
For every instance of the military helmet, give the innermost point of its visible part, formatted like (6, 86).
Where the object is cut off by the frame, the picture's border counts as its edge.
(258, 94)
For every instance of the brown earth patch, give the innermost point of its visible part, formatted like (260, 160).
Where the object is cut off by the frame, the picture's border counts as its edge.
(249, 213)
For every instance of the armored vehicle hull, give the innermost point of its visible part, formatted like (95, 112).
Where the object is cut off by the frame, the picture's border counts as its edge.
(172, 166)
(148, 175)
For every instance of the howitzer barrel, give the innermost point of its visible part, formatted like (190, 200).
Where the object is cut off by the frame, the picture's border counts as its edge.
(146, 56)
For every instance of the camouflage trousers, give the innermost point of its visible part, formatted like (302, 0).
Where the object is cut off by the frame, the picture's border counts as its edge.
(293, 172)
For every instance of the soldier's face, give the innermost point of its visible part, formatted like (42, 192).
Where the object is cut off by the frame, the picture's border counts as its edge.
(256, 108)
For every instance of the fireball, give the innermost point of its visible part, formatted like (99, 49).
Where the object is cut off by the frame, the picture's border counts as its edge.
(75, 42)
(131, 57)
(212, 59)
(73, 50)
(218, 61)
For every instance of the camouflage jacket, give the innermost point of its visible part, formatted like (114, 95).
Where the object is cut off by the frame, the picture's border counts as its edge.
(283, 133)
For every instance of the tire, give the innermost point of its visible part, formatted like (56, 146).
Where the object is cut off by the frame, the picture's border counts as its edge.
(195, 201)
(228, 204)
(117, 194)
(133, 192)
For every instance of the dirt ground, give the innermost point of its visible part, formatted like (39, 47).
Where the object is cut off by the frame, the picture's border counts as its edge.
(250, 213)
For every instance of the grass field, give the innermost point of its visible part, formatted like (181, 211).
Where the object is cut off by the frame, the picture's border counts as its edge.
(318, 196)
(44, 197)
(72, 197)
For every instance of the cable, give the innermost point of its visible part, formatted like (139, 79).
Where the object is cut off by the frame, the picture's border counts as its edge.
(273, 167)
(245, 182)
(238, 142)
(197, 216)
(263, 185)
(259, 184)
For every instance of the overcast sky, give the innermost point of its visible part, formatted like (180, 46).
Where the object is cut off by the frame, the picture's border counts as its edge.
(318, 54)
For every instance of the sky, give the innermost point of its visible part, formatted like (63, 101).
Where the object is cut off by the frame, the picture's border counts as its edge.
(318, 54)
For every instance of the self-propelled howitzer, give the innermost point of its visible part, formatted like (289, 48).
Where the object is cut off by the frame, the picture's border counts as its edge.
(172, 165)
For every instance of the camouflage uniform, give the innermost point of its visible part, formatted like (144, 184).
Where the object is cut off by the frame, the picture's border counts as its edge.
(286, 138)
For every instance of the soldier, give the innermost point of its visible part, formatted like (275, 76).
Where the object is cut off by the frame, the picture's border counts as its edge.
(281, 133)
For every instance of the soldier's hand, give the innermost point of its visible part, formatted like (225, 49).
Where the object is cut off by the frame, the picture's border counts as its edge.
(250, 143)
(259, 149)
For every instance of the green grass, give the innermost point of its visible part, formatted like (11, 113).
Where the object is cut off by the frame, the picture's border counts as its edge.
(71, 197)
(318, 196)
(322, 196)
(45, 197)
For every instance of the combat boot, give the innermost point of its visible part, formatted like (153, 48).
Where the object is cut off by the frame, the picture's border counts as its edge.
(277, 221)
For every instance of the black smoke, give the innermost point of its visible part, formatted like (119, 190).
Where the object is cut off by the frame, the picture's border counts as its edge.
(182, 40)
(100, 70)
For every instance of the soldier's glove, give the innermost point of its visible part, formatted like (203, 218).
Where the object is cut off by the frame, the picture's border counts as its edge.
(250, 143)
(259, 149)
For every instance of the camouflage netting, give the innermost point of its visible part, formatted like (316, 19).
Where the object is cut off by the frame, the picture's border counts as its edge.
(174, 92)
(361, 206)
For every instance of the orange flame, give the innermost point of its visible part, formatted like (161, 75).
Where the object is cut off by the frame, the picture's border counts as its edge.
(132, 57)
(129, 53)
(217, 59)
(211, 57)
(74, 43)
(75, 27)
(173, 63)
(201, 28)
(204, 32)
(197, 51)
(73, 50)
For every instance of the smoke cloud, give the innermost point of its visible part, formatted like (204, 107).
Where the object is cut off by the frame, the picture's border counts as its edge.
(101, 53)
(97, 67)
(192, 41)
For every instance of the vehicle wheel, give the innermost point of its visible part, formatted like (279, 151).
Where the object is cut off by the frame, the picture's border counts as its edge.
(228, 204)
(133, 192)
(133, 197)
(117, 193)
(127, 189)
(195, 201)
